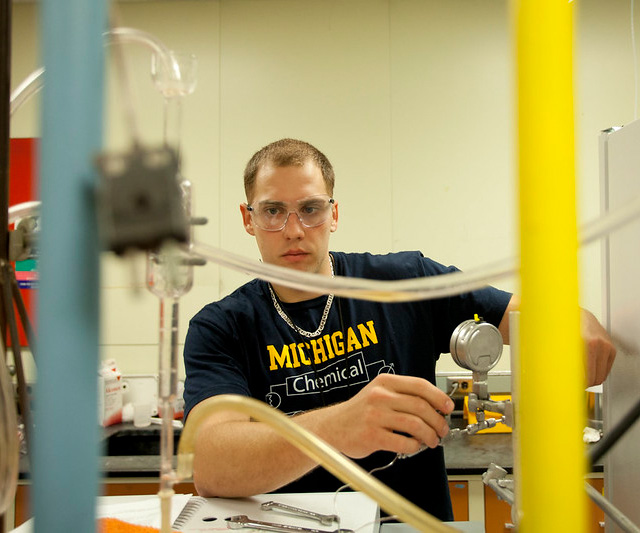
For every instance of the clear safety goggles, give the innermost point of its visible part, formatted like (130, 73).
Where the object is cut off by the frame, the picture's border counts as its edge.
(273, 216)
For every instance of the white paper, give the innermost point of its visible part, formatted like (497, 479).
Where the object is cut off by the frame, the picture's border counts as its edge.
(356, 511)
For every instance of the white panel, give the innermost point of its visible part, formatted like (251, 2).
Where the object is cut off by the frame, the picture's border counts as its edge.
(316, 71)
(128, 317)
(452, 120)
(621, 175)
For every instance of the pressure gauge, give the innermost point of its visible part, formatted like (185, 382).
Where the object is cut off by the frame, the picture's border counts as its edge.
(476, 345)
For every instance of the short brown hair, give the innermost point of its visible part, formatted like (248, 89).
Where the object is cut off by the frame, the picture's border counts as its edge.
(285, 153)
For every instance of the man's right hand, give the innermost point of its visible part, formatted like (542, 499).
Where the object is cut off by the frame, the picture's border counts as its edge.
(393, 413)
(234, 457)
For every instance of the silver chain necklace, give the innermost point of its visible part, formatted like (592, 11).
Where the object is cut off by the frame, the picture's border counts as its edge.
(301, 331)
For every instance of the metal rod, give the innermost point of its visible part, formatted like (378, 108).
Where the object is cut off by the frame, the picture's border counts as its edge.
(611, 511)
(5, 97)
(611, 437)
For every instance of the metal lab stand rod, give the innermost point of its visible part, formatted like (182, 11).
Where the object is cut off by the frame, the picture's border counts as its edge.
(5, 97)
(611, 511)
(5, 84)
(612, 436)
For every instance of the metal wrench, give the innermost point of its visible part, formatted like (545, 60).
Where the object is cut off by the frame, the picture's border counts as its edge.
(243, 521)
(324, 519)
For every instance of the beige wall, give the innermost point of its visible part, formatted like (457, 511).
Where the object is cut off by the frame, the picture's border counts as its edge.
(412, 100)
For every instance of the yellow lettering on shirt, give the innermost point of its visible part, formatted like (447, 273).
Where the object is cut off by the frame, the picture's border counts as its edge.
(352, 341)
(328, 346)
(319, 354)
(303, 356)
(368, 333)
(338, 345)
(277, 359)
(294, 353)
(327, 342)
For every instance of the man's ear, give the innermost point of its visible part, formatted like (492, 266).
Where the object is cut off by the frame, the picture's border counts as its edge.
(246, 219)
(334, 217)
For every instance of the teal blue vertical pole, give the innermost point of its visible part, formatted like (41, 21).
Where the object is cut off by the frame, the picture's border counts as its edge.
(66, 443)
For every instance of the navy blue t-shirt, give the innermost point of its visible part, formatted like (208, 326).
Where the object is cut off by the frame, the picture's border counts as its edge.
(240, 345)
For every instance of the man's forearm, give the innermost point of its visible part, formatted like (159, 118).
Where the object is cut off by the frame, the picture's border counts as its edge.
(239, 458)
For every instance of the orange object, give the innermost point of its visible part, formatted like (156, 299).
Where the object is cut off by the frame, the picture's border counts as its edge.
(113, 525)
(499, 427)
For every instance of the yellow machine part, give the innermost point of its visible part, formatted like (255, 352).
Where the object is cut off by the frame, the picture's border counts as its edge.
(499, 427)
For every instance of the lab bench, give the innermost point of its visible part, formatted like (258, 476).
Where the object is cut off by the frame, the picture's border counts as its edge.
(131, 465)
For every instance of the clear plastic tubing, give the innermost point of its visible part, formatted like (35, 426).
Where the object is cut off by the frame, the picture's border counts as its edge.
(34, 81)
(365, 289)
(409, 289)
(24, 209)
(30, 86)
(609, 222)
(321, 452)
(168, 387)
(403, 290)
(590, 231)
(168, 277)
(133, 35)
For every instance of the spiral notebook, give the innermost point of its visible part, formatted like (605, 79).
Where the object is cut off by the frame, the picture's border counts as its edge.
(194, 514)
(356, 511)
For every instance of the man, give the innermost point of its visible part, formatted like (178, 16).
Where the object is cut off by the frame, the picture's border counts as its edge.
(358, 374)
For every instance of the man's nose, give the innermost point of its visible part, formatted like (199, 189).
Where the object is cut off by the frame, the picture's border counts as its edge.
(293, 227)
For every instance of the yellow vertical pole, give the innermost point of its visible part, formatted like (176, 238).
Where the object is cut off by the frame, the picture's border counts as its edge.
(551, 464)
